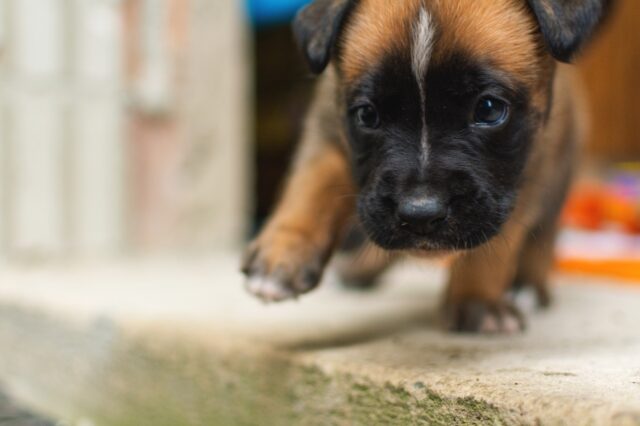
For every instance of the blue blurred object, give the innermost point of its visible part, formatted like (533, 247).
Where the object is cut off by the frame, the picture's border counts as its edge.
(265, 12)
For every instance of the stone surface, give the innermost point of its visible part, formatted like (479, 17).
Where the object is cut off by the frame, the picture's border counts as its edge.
(171, 342)
(12, 415)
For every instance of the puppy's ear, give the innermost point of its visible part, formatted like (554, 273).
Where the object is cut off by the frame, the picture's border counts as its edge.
(568, 24)
(316, 28)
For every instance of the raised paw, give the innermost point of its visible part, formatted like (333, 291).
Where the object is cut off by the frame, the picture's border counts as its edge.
(282, 266)
(483, 317)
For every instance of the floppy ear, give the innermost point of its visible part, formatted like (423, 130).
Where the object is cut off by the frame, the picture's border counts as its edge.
(568, 24)
(316, 28)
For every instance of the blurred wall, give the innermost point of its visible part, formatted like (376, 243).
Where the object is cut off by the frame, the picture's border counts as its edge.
(62, 125)
(124, 126)
(611, 68)
(191, 130)
(218, 117)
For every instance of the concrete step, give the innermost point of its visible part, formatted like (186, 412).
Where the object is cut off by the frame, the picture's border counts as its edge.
(12, 415)
(178, 342)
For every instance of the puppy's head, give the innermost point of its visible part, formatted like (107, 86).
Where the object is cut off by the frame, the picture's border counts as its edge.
(442, 102)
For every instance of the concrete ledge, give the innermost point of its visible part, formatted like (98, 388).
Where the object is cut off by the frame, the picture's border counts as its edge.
(179, 343)
(16, 416)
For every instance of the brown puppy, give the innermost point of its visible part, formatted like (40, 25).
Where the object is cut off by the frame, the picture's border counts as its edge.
(442, 126)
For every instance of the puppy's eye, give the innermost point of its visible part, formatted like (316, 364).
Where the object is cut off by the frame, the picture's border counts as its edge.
(367, 117)
(491, 112)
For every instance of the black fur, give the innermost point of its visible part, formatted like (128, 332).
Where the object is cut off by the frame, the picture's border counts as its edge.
(316, 29)
(476, 171)
(568, 24)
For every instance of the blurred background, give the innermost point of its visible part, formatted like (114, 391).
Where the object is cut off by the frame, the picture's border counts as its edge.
(154, 126)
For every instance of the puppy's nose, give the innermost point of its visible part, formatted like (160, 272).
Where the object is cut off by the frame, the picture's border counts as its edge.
(423, 214)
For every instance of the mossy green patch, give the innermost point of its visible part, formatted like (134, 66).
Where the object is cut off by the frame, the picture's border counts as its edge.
(156, 379)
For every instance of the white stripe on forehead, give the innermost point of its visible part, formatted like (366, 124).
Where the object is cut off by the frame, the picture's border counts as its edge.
(423, 36)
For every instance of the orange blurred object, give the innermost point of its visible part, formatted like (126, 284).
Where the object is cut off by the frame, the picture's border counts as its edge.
(627, 270)
(584, 209)
(602, 217)
(594, 207)
(623, 212)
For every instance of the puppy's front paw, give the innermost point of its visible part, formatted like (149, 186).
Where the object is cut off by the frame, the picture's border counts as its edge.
(281, 266)
(474, 316)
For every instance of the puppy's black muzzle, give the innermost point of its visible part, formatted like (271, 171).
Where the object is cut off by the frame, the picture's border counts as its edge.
(422, 214)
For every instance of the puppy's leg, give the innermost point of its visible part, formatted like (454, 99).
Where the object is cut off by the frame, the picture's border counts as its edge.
(538, 253)
(475, 299)
(361, 266)
(536, 262)
(289, 255)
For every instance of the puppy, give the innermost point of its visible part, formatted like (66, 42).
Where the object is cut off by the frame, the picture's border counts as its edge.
(443, 126)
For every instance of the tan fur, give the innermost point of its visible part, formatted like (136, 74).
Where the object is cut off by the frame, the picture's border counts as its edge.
(375, 27)
(502, 32)
(301, 235)
(317, 202)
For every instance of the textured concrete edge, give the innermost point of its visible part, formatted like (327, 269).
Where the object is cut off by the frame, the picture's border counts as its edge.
(160, 376)
(12, 415)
